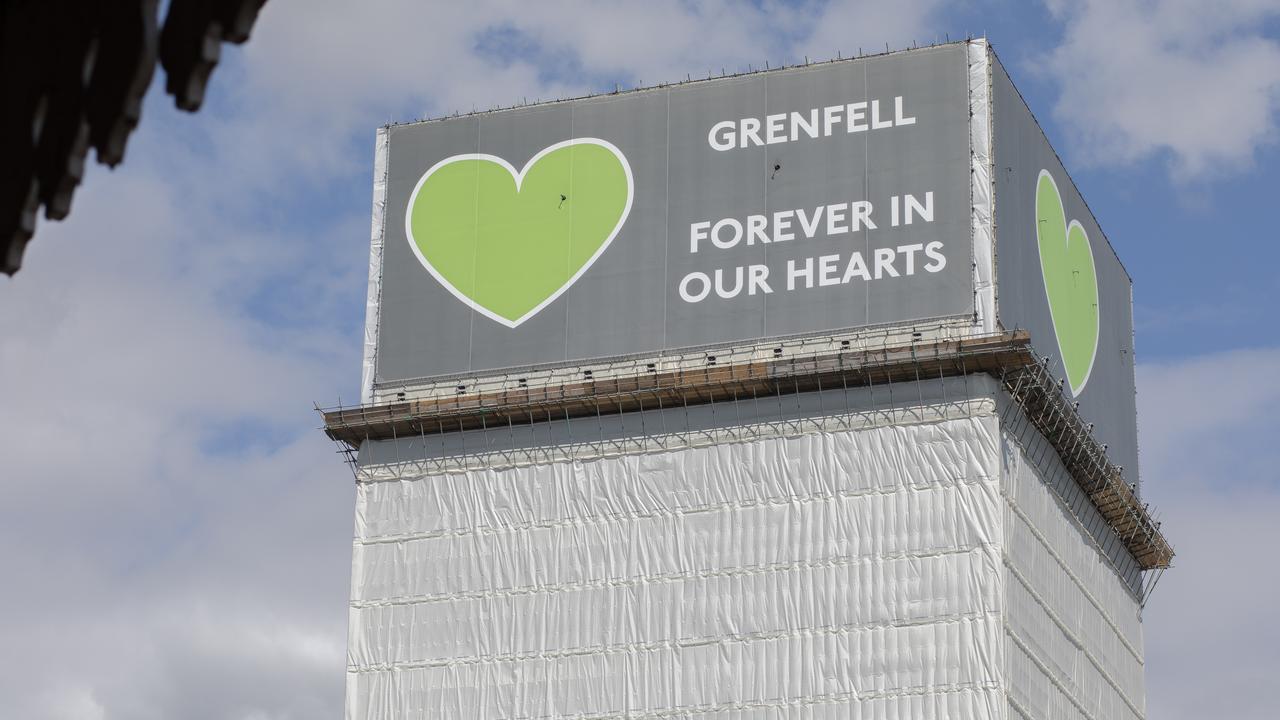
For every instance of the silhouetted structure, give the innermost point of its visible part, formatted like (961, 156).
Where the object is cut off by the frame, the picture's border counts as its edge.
(73, 74)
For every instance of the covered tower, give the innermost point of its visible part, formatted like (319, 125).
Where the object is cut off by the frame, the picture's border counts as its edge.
(805, 393)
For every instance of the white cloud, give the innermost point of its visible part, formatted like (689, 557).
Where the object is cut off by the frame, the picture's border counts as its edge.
(158, 563)
(334, 61)
(157, 567)
(1192, 82)
(77, 704)
(1210, 468)
(847, 27)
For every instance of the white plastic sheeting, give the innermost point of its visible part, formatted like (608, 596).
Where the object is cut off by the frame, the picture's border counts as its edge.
(886, 572)
(1074, 627)
(377, 240)
(838, 574)
(982, 195)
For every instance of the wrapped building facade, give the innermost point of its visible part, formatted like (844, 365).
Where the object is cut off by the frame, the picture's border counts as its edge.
(925, 517)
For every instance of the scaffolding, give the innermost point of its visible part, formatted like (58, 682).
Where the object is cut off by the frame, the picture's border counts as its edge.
(639, 386)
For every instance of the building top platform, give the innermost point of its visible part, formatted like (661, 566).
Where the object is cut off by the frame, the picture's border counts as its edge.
(1007, 356)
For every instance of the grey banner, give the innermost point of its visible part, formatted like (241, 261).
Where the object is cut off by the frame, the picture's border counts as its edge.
(1021, 154)
(850, 182)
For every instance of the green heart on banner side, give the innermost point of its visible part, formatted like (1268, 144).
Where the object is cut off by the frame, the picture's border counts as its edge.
(508, 243)
(1070, 282)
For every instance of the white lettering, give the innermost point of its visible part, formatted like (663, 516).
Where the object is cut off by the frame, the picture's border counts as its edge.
(809, 227)
(697, 231)
(733, 240)
(827, 270)
(861, 215)
(857, 111)
(910, 251)
(758, 279)
(933, 251)
(900, 118)
(857, 268)
(830, 116)
(876, 123)
(793, 272)
(692, 297)
(722, 136)
(756, 225)
(884, 263)
(835, 220)
(782, 226)
(774, 128)
(914, 208)
(810, 125)
(728, 293)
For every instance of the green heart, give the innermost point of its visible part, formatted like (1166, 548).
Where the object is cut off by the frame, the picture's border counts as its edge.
(508, 243)
(1070, 282)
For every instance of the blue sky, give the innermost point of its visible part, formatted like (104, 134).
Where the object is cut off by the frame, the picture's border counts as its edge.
(178, 530)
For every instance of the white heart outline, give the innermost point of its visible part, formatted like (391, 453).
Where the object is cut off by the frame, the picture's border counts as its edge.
(519, 178)
(1075, 391)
